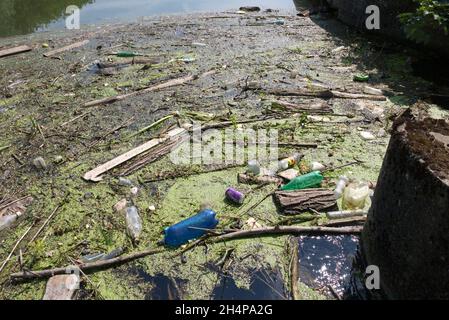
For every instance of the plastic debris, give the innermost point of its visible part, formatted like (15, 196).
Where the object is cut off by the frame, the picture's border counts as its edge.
(39, 163)
(341, 185)
(317, 166)
(191, 228)
(367, 135)
(338, 49)
(252, 224)
(58, 159)
(373, 91)
(361, 77)
(289, 174)
(124, 182)
(127, 54)
(134, 222)
(7, 221)
(134, 191)
(250, 9)
(355, 195)
(253, 167)
(235, 195)
(310, 180)
(345, 214)
(120, 206)
(289, 162)
(92, 257)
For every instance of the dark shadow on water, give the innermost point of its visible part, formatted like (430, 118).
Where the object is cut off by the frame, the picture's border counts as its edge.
(265, 285)
(399, 63)
(162, 287)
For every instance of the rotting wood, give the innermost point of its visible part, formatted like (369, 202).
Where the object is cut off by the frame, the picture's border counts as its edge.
(283, 230)
(15, 50)
(151, 156)
(86, 267)
(164, 85)
(66, 48)
(95, 174)
(294, 202)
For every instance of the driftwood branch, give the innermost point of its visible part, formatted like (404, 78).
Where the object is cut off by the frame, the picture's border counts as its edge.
(164, 85)
(318, 108)
(294, 230)
(66, 48)
(321, 93)
(86, 267)
(344, 222)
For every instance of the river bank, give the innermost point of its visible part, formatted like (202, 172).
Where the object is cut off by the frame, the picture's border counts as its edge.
(43, 113)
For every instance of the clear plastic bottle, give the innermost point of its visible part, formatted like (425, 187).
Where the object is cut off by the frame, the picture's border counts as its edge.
(341, 185)
(133, 222)
(289, 162)
(254, 167)
(355, 196)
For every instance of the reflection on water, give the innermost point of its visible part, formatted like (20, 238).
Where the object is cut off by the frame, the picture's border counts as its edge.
(26, 16)
(328, 261)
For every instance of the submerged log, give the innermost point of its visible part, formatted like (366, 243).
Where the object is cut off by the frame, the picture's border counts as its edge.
(407, 230)
(294, 202)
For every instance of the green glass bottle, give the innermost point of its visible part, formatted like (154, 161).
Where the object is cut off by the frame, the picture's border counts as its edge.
(127, 54)
(309, 180)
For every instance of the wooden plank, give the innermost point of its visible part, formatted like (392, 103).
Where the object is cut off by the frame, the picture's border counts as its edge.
(95, 174)
(15, 50)
(66, 48)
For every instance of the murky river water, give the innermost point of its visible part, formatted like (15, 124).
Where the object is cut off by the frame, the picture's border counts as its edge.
(26, 16)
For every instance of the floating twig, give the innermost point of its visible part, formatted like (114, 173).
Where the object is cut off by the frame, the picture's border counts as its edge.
(282, 230)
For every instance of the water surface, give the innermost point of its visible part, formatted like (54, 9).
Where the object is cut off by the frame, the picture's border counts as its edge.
(27, 16)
